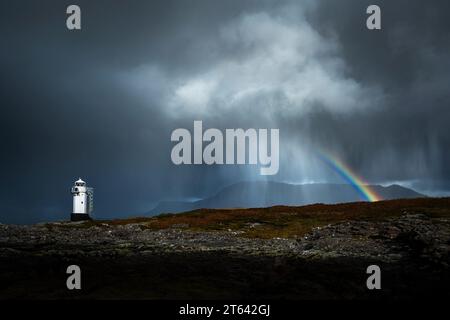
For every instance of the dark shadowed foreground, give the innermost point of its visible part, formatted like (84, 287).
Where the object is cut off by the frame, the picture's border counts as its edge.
(310, 252)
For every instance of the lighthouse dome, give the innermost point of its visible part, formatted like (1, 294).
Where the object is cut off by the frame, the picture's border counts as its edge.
(80, 183)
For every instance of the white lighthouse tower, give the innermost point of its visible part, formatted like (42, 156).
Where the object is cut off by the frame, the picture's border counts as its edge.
(83, 201)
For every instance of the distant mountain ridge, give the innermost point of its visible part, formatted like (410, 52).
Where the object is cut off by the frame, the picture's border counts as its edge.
(267, 194)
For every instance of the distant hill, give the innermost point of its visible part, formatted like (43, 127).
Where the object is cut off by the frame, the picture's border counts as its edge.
(266, 194)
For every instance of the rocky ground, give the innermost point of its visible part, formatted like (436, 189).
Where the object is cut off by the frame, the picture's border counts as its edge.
(132, 260)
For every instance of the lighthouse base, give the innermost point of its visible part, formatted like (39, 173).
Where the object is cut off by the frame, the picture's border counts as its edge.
(79, 217)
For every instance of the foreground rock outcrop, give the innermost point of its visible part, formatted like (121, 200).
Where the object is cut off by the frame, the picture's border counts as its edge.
(135, 260)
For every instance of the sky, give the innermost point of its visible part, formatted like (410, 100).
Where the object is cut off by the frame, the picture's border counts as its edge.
(101, 103)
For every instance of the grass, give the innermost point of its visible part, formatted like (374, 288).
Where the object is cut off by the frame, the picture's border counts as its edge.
(283, 221)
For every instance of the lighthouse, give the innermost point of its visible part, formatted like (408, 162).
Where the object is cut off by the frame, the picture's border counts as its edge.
(83, 201)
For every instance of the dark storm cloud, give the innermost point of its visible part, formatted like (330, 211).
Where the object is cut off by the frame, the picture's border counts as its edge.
(101, 103)
(408, 60)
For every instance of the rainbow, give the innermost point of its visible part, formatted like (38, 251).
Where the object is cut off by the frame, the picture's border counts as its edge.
(363, 188)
